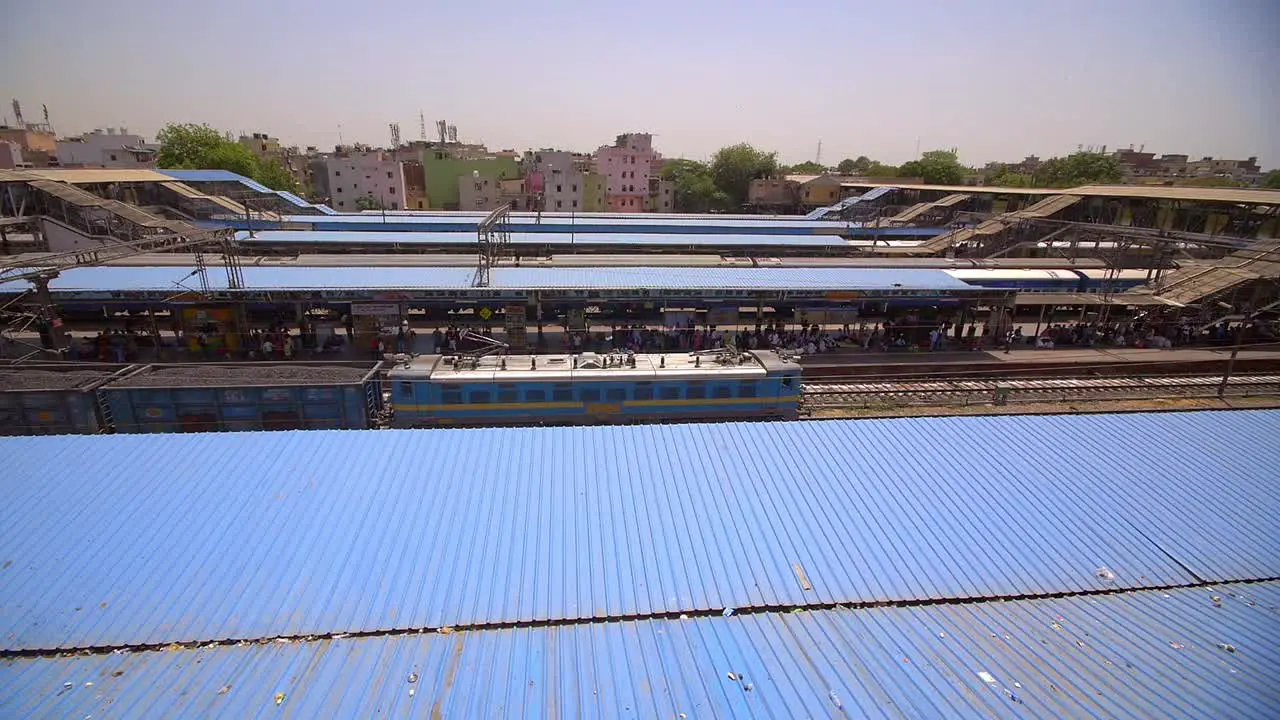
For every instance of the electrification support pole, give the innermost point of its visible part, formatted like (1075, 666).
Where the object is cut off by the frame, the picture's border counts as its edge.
(49, 314)
(1231, 361)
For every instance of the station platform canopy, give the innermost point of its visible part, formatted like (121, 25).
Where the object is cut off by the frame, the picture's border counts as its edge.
(457, 283)
(1120, 299)
(354, 238)
(338, 240)
(584, 223)
(1234, 196)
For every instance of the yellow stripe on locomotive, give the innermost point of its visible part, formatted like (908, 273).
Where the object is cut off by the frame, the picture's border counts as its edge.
(439, 390)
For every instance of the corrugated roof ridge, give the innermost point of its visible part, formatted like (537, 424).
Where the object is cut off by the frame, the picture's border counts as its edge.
(715, 612)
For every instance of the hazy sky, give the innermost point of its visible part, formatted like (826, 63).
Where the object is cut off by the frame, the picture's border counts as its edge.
(996, 79)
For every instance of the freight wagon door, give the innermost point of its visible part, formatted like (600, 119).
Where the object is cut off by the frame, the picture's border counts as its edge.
(198, 422)
(281, 420)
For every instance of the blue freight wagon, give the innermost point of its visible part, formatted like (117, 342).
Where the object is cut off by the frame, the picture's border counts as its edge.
(210, 397)
(53, 398)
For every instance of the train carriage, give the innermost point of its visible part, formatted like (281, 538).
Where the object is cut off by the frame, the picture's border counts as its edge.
(438, 390)
(1088, 280)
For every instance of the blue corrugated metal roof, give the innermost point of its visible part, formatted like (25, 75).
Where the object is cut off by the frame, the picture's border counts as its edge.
(216, 176)
(876, 192)
(177, 279)
(204, 175)
(697, 217)
(848, 202)
(270, 237)
(654, 223)
(294, 199)
(586, 220)
(1146, 654)
(152, 539)
(728, 278)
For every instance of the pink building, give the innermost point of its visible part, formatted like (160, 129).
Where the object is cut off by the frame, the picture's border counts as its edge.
(628, 166)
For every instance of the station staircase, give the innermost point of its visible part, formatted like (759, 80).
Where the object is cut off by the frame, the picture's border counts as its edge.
(844, 205)
(198, 204)
(1199, 283)
(919, 209)
(1046, 208)
(100, 217)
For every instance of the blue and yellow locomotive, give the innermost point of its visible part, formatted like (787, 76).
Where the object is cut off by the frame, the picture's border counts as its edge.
(436, 390)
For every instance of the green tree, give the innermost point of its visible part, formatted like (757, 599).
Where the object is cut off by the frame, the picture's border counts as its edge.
(189, 146)
(1082, 168)
(879, 169)
(1010, 179)
(1271, 180)
(695, 189)
(861, 166)
(228, 156)
(734, 167)
(368, 202)
(184, 146)
(936, 167)
(808, 167)
(275, 176)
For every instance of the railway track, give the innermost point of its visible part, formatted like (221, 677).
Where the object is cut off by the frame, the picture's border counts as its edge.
(818, 395)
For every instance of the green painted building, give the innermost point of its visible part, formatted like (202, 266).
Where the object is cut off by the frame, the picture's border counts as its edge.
(593, 192)
(443, 170)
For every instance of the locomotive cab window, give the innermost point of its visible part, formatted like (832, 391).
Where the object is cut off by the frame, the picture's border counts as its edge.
(406, 388)
(787, 381)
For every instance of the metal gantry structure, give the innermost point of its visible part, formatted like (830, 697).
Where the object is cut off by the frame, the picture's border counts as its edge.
(493, 236)
(36, 305)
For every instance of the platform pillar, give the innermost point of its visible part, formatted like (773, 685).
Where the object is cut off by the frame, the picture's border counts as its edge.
(51, 325)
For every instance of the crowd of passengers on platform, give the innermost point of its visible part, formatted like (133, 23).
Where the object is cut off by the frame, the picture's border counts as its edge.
(907, 333)
(1140, 334)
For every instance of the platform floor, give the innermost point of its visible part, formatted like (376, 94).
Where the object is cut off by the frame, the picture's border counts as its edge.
(1031, 363)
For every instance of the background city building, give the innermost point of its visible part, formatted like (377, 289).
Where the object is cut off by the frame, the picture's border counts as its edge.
(110, 148)
(446, 166)
(38, 146)
(360, 180)
(628, 165)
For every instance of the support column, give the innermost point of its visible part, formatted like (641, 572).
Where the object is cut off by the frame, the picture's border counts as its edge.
(48, 313)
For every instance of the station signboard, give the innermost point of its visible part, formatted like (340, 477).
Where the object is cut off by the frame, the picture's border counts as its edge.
(375, 309)
(723, 315)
